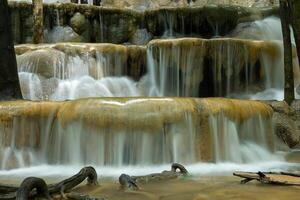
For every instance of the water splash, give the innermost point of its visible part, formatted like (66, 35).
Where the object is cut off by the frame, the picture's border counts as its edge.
(246, 143)
(49, 74)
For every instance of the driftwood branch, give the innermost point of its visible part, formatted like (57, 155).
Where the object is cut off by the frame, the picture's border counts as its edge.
(282, 178)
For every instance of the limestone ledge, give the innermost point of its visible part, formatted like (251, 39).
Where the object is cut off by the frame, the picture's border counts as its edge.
(137, 113)
(31, 121)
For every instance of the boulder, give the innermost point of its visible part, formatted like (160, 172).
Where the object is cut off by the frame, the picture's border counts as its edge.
(286, 122)
(78, 23)
(141, 37)
(285, 129)
(62, 34)
(43, 62)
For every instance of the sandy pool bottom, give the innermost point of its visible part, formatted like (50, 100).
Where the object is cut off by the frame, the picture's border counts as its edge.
(201, 188)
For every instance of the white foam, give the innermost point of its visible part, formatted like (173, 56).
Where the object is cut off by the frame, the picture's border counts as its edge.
(198, 169)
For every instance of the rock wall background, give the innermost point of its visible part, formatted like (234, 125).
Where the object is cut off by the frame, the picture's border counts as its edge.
(152, 4)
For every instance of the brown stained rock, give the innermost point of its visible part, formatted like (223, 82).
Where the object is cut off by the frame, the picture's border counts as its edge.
(285, 129)
(43, 62)
(286, 122)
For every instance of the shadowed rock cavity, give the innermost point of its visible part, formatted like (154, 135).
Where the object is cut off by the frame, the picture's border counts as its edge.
(9, 81)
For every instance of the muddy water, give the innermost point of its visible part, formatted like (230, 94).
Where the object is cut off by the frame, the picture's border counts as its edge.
(191, 188)
(201, 189)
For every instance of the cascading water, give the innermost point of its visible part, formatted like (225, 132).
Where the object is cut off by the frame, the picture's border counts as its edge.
(120, 132)
(249, 142)
(54, 75)
(175, 70)
(269, 29)
(228, 59)
(116, 132)
(231, 67)
(234, 67)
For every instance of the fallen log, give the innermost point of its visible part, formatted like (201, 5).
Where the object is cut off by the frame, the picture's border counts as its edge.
(281, 178)
(130, 182)
(165, 175)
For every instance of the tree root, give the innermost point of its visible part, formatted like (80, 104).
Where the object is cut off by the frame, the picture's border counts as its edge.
(182, 169)
(127, 182)
(68, 184)
(27, 186)
(36, 187)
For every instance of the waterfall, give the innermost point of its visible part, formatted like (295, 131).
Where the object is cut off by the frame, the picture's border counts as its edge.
(151, 130)
(249, 142)
(269, 29)
(230, 67)
(49, 74)
(175, 70)
(116, 132)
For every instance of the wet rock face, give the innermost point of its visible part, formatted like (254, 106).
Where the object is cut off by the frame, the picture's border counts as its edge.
(286, 121)
(286, 130)
(114, 25)
(78, 23)
(144, 4)
(62, 34)
(45, 65)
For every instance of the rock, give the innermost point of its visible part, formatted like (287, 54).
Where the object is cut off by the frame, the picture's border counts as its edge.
(246, 3)
(144, 4)
(78, 23)
(42, 62)
(279, 106)
(285, 129)
(293, 156)
(62, 34)
(286, 122)
(298, 90)
(141, 37)
(119, 27)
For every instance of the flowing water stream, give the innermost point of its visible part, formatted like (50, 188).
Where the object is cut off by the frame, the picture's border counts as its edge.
(251, 68)
(145, 130)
